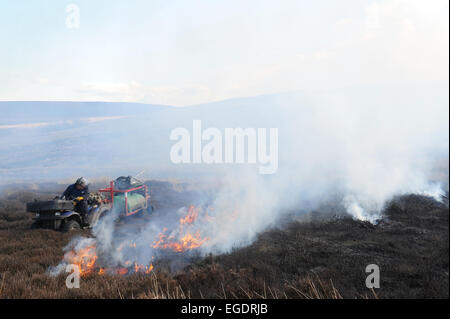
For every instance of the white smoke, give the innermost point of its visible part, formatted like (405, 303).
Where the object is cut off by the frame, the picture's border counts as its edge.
(358, 152)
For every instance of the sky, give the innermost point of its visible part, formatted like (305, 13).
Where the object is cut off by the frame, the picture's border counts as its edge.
(190, 52)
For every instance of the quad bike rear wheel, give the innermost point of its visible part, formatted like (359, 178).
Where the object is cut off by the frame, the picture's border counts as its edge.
(71, 225)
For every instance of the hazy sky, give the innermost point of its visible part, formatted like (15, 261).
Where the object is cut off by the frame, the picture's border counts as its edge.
(189, 52)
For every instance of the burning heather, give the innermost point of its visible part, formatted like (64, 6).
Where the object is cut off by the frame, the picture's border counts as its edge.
(91, 257)
(182, 240)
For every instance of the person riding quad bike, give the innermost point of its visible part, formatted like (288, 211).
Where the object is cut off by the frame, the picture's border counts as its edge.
(76, 208)
(78, 193)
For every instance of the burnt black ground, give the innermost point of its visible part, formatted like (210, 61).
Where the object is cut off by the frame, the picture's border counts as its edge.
(410, 246)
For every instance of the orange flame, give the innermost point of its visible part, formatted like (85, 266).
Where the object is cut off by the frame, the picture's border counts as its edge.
(187, 242)
(191, 215)
(84, 258)
(142, 268)
(122, 271)
(184, 239)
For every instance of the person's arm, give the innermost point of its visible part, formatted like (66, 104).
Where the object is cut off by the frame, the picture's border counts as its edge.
(66, 192)
(86, 193)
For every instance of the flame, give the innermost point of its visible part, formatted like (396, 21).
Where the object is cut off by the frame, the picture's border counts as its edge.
(191, 215)
(85, 259)
(161, 238)
(183, 238)
(142, 268)
(122, 271)
(149, 269)
(187, 242)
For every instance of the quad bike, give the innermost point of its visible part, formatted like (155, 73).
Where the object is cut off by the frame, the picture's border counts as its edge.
(126, 195)
(62, 215)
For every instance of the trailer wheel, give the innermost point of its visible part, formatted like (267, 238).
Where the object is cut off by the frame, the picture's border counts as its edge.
(71, 225)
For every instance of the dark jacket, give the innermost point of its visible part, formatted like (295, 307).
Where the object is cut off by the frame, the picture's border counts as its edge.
(72, 192)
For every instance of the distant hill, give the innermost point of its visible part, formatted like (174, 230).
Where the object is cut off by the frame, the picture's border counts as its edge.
(48, 140)
(32, 112)
(42, 140)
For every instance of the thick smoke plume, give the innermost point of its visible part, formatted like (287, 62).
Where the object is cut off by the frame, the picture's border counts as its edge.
(356, 152)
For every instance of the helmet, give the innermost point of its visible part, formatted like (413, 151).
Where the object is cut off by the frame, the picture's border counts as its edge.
(81, 181)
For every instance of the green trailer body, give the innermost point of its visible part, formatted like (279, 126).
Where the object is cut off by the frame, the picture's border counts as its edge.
(134, 201)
